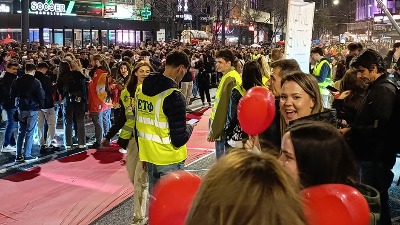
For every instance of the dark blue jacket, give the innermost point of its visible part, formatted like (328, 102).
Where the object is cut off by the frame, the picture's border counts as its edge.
(174, 107)
(5, 89)
(28, 92)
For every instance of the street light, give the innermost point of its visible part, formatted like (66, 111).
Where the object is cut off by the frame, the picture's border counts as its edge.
(335, 2)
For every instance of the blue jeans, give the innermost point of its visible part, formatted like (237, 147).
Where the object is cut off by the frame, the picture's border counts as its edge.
(380, 177)
(155, 172)
(27, 124)
(220, 148)
(9, 138)
(97, 119)
(194, 91)
(57, 106)
(106, 117)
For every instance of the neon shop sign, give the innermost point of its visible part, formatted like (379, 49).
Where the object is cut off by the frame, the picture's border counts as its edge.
(48, 8)
(4, 8)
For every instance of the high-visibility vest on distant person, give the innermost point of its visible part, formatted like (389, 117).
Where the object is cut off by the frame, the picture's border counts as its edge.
(328, 80)
(234, 74)
(240, 89)
(153, 130)
(129, 126)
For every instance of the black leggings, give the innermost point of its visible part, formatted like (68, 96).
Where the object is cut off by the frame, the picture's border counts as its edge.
(205, 91)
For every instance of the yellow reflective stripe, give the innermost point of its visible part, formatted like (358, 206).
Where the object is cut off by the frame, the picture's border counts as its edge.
(155, 138)
(159, 101)
(156, 123)
(130, 117)
(125, 127)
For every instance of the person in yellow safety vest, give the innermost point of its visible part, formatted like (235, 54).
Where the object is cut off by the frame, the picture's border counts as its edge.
(265, 70)
(255, 55)
(125, 122)
(230, 78)
(323, 72)
(135, 169)
(251, 77)
(161, 119)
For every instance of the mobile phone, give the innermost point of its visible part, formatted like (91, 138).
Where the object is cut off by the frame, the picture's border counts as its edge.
(193, 121)
(332, 88)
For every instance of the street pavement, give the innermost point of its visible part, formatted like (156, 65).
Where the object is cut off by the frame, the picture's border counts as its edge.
(122, 214)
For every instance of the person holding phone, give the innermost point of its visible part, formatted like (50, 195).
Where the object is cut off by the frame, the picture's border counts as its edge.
(161, 119)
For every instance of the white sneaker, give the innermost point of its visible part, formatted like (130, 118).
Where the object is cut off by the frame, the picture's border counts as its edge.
(123, 151)
(54, 143)
(9, 148)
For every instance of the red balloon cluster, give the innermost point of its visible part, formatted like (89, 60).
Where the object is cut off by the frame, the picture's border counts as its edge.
(333, 204)
(172, 197)
(256, 110)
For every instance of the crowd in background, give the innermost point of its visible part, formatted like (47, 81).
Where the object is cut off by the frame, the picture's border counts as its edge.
(354, 92)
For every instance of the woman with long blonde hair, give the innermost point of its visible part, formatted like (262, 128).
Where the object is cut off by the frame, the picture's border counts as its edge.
(246, 188)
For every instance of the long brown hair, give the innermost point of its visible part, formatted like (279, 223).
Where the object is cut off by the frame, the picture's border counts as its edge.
(119, 75)
(133, 80)
(357, 88)
(245, 188)
(320, 145)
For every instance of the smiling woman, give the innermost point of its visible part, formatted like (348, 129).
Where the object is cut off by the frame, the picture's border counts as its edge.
(300, 97)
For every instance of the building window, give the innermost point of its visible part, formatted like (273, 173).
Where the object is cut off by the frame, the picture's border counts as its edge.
(58, 37)
(68, 37)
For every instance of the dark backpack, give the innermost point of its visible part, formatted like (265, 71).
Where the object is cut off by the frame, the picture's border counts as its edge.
(394, 79)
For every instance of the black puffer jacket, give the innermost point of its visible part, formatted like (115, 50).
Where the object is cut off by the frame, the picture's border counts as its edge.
(174, 107)
(7, 80)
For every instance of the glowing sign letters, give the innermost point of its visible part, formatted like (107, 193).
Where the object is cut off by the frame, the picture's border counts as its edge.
(47, 8)
(4, 8)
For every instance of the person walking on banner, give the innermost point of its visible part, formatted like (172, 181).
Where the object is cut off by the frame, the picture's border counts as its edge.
(161, 119)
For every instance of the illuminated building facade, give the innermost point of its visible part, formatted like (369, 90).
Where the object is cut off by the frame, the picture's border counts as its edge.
(79, 23)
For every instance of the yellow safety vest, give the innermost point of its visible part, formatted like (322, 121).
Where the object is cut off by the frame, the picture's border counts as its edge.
(265, 81)
(241, 90)
(129, 126)
(328, 80)
(255, 57)
(153, 130)
(236, 76)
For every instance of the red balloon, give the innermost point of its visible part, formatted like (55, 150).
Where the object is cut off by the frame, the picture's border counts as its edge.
(258, 89)
(333, 204)
(172, 197)
(256, 110)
